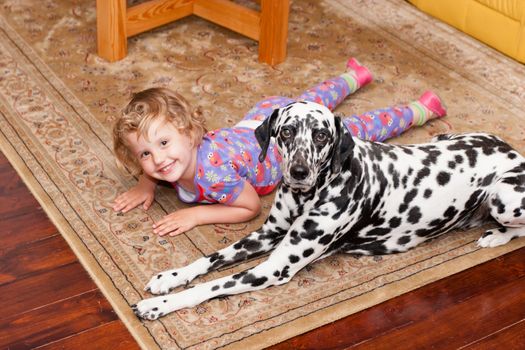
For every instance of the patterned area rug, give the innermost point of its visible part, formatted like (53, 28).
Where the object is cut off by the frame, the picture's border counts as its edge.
(58, 101)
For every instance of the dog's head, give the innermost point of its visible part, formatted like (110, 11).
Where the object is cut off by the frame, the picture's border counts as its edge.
(309, 137)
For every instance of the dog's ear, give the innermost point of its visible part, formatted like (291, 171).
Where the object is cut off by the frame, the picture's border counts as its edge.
(264, 132)
(343, 145)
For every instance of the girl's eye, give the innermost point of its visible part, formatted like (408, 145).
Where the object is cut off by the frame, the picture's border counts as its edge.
(163, 142)
(144, 155)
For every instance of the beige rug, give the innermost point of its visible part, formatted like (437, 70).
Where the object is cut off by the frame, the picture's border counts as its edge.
(58, 100)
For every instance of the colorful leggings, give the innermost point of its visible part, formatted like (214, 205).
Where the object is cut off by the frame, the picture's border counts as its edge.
(377, 125)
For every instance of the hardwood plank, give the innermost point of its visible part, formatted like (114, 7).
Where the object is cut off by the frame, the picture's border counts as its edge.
(55, 321)
(416, 306)
(15, 198)
(3, 160)
(513, 337)
(45, 288)
(461, 324)
(113, 335)
(21, 216)
(21, 261)
(26, 228)
(10, 179)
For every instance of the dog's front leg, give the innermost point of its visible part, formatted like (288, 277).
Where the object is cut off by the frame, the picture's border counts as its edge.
(256, 243)
(304, 243)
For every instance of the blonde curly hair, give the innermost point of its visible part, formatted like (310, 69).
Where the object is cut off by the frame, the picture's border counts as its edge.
(146, 107)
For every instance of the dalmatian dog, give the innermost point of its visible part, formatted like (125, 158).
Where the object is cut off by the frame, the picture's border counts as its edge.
(343, 194)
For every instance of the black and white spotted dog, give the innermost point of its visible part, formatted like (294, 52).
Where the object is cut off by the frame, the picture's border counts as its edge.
(342, 194)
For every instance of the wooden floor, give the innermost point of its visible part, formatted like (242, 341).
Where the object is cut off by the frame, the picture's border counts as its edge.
(48, 301)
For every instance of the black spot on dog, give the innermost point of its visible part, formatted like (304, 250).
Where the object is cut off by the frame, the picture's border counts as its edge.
(326, 239)
(294, 237)
(215, 256)
(311, 233)
(421, 174)
(474, 198)
(427, 193)
(407, 150)
(487, 180)
(213, 289)
(395, 222)
(293, 258)
(308, 252)
(239, 275)
(403, 240)
(432, 155)
(250, 279)
(414, 214)
(341, 203)
(443, 178)
(239, 256)
(499, 205)
(451, 212)
(379, 231)
(229, 284)
(248, 244)
(472, 156)
(409, 196)
(285, 273)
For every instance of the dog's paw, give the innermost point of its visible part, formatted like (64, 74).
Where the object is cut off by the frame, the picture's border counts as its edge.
(151, 309)
(164, 282)
(494, 238)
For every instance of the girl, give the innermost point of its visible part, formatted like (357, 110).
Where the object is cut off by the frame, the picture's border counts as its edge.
(162, 138)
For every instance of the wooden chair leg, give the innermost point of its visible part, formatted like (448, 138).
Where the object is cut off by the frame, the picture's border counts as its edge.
(112, 43)
(274, 31)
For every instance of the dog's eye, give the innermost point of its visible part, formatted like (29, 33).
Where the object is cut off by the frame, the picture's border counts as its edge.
(286, 133)
(321, 137)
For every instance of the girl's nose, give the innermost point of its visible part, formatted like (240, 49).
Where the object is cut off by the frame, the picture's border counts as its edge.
(158, 157)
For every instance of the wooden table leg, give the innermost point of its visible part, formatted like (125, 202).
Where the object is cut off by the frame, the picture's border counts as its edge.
(112, 40)
(274, 31)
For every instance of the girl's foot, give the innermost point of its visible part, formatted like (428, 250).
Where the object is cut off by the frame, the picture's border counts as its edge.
(361, 73)
(428, 106)
(432, 101)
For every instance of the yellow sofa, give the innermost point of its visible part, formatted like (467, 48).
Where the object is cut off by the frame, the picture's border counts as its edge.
(498, 23)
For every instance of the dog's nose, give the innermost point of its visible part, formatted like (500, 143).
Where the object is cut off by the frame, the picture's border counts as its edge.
(299, 172)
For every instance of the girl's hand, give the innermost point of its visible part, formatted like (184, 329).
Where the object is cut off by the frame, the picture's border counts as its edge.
(244, 208)
(143, 193)
(177, 222)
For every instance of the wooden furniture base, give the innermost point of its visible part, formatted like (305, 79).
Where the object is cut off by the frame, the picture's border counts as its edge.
(269, 26)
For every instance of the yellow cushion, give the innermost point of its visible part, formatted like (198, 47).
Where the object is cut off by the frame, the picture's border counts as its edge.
(498, 23)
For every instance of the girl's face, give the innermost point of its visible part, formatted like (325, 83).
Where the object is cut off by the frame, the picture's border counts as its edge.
(166, 154)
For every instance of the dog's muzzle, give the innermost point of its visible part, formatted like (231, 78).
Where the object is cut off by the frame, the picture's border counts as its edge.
(299, 172)
(299, 176)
